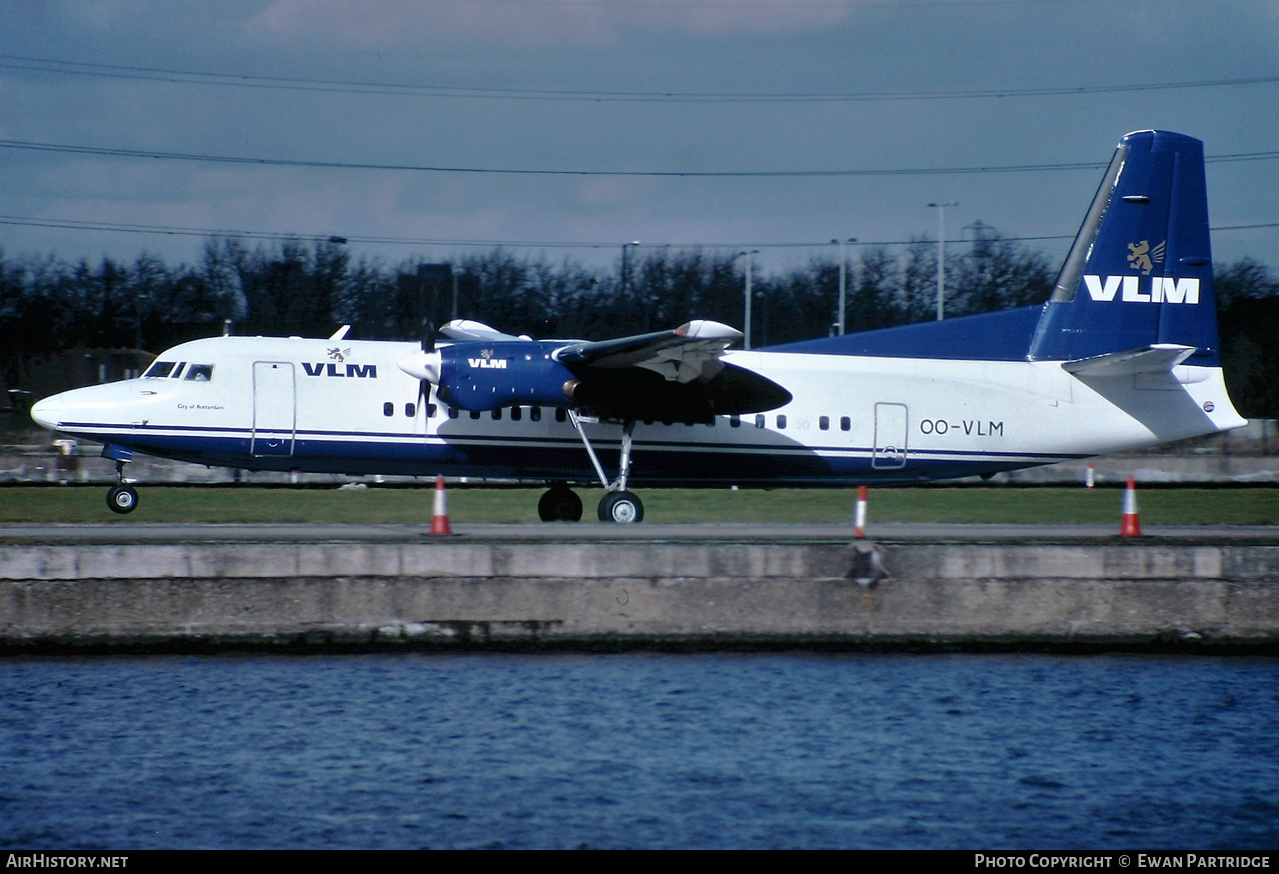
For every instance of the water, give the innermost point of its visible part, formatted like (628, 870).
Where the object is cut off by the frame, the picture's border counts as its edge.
(640, 751)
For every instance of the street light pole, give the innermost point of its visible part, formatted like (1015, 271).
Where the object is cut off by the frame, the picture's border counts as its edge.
(843, 279)
(747, 326)
(626, 279)
(941, 254)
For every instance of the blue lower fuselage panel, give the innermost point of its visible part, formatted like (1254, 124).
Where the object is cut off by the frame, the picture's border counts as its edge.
(654, 462)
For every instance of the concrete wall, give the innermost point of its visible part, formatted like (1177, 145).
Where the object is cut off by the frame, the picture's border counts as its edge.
(448, 594)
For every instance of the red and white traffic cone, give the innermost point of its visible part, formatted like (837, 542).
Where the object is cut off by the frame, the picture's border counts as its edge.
(440, 519)
(859, 515)
(1130, 525)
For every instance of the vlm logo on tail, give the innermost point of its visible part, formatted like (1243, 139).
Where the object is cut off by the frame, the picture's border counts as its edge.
(1160, 289)
(1143, 258)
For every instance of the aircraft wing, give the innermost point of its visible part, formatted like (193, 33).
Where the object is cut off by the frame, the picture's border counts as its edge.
(668, 375)
(684, 354)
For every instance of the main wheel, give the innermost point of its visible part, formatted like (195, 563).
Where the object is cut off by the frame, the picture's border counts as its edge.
(560, 504)
(621, 507)
(122, 499)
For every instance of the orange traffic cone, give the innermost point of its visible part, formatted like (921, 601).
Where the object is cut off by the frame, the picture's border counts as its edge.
(440, 520)
(859, 516)
(1130, 525)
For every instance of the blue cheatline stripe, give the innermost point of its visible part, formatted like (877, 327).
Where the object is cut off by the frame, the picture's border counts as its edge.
(414, 441)
(358, 451)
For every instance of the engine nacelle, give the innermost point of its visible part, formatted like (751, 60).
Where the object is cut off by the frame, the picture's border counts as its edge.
(485, 376)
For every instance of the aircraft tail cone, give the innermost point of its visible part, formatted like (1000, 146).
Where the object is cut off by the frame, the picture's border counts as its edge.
(859, 515)
(440, 518)
(1130, 525)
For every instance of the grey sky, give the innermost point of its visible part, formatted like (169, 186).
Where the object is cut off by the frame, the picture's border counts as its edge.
(544, 48)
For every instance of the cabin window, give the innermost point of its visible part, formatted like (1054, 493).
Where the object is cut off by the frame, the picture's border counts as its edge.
(781, 421)
(410, 410)
(759, 420)
(535, 414)
(497, 414)
(388, 409)
(475, 414)
(561, 414)
(823, 422)
(159, 370)
(453, 412)
(516, 414)
(734, 421)
(431, 410)
(845, 423)
(200, 372)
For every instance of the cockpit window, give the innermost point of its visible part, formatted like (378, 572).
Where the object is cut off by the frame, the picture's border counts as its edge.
(200, 372)
(159, 370)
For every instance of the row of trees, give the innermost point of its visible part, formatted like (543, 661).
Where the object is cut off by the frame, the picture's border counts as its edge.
(298, 287)
(308, 288)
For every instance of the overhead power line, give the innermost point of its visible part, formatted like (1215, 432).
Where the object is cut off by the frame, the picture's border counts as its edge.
(130, 228)
(192, 77)
(426, 168)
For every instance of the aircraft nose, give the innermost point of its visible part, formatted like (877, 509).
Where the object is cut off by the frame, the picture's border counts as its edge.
(46, 412)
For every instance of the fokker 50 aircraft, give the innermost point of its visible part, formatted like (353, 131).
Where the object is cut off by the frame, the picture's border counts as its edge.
(1123, 355)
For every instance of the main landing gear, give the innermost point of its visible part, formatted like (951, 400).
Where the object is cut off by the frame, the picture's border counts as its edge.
(122, 498)
(560, 503)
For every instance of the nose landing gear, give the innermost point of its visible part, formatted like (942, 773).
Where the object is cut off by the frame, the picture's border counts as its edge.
(122, 498)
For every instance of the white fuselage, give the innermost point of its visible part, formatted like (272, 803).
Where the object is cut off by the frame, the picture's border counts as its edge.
(346, 407)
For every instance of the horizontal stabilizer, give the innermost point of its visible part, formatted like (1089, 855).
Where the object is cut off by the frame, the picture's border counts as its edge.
(1159, 358)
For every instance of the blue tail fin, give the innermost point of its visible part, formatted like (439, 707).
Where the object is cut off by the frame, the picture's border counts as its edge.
(1140, 271)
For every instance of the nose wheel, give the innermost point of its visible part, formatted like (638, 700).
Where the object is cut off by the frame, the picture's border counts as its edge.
(123, 498)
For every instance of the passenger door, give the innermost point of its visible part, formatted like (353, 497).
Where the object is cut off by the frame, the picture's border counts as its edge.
(891, 424)
(274, 408)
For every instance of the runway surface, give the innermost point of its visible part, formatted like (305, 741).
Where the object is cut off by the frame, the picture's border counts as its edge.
(146, 532)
